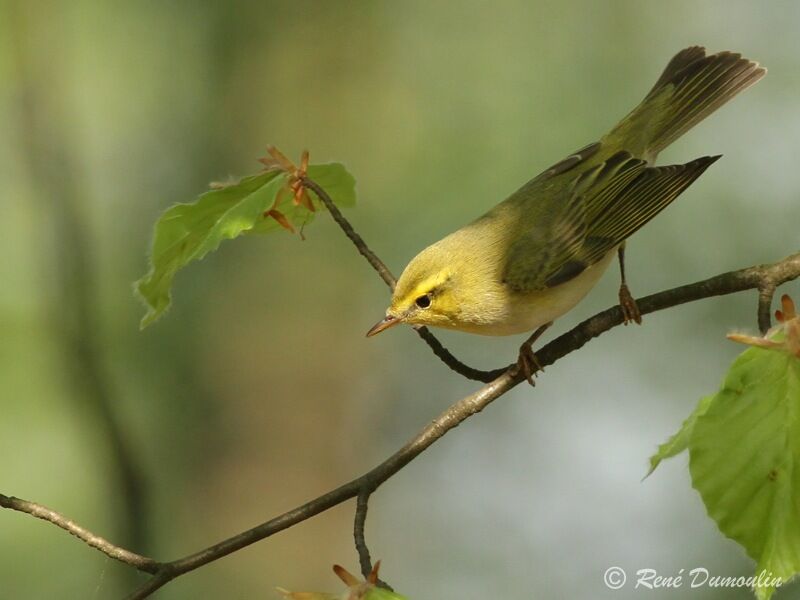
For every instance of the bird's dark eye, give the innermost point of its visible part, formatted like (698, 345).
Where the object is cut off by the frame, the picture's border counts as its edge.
(423, 301)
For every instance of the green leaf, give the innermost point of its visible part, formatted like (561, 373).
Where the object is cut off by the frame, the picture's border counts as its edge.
(187, 232)
(333, 178)
(336, 180)
(744, 458)
(679, 441)
(377, 593)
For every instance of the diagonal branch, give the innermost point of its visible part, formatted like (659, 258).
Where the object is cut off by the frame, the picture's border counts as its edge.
(727, 283)
(764, 278)
(734, 281)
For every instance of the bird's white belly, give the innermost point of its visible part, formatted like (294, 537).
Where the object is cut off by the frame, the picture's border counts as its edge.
(524, 313)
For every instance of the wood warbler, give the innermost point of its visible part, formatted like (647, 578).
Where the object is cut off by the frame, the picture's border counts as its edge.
(535, 255)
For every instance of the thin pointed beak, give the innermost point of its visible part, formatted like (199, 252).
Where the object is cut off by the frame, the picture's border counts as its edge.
(388, 321)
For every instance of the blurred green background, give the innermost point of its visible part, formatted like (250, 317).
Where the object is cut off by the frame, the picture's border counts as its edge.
(259, 391)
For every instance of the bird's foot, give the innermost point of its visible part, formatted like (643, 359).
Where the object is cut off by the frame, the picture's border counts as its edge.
(630, 310)
(527, 363)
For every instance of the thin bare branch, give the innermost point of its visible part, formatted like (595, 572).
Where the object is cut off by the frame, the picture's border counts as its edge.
(451, 361)
(758, 277)
(727, 283)
(142, 563)
(438, 348)
(357, 240)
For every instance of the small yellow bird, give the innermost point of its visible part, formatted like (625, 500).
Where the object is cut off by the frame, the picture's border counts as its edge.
(534, 256)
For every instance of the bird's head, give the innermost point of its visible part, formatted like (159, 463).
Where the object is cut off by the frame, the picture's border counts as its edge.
(425, 294)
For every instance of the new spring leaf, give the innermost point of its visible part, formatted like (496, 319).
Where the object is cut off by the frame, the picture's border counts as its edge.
(273, 200)
(356, 589)
(744, 452)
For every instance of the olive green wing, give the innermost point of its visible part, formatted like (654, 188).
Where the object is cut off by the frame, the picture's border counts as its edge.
(648, 194)
(548, 251)
(605, 205)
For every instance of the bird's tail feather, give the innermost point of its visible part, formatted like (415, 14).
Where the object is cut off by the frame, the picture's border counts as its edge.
(691, 87)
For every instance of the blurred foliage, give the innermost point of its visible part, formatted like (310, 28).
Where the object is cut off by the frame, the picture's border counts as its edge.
(260, 391)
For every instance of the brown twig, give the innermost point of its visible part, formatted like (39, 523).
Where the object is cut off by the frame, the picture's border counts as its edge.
(433, 342)
(357, 240)
(727, 283)
(451, 361)
(765, 294)
(359, 523)
(368, 569)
